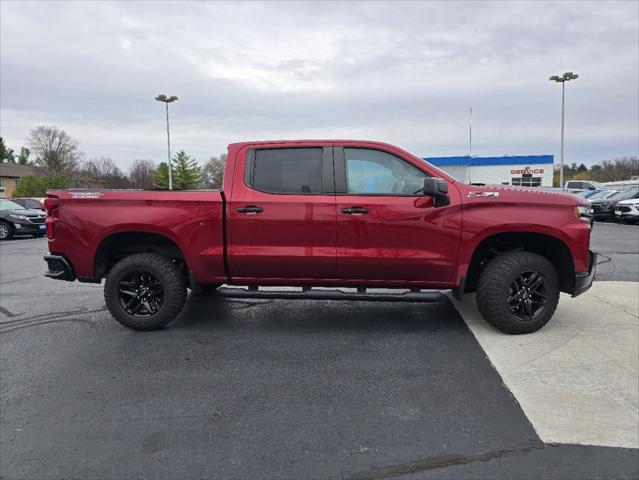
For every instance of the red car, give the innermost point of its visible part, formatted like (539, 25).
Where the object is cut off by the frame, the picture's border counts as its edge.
(329, 214)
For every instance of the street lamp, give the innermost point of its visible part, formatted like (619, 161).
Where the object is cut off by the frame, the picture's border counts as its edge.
(566, 77)
(167, 100)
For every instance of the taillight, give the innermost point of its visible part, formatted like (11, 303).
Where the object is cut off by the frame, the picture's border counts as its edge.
(51, 204)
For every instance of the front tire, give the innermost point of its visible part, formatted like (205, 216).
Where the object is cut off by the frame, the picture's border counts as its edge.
(6, 231)
(518, 292)
(145, 291)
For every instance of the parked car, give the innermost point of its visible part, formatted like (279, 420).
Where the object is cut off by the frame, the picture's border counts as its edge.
(604, 209)
(589, 193)
(627, 211)
(600, 194)
(333, 214)
(15, 219)
(32, 203)
(581, 185)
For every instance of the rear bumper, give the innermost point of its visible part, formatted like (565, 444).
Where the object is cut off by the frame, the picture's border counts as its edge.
(59, 268)
(583, 280)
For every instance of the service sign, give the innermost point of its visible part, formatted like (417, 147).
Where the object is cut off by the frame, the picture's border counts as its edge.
(527, 170)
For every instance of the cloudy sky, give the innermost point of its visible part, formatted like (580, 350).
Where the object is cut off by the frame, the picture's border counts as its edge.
(405, 73)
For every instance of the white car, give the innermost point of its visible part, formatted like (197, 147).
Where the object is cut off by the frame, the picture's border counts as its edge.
(581, 185)
(628, 210)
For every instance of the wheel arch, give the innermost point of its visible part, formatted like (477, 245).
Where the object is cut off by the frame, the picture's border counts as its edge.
(119, 245)
(549, 246)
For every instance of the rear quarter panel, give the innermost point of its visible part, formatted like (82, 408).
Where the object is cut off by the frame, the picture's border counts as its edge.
(193, 220)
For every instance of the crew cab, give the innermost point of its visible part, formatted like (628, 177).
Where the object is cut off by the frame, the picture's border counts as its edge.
(333, 219)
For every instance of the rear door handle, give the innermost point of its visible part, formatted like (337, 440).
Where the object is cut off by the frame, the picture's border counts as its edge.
(250, 209)
(355, 211)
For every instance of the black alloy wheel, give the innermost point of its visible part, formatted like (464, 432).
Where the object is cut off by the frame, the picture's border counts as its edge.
(141, 293)
(527, 296)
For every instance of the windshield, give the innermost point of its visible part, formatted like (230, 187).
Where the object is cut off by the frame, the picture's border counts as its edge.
(625, 194)
(587, 193)
(9, 205)
(602, 194)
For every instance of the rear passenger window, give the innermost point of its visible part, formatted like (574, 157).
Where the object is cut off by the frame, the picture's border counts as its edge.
(287, 170)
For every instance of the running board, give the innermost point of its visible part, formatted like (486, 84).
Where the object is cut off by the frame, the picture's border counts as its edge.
(322, 294)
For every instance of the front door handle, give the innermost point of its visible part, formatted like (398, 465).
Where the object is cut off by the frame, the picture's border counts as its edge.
(355, 211)
(250, 209)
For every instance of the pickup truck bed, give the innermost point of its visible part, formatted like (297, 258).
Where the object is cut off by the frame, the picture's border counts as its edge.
(108, 224)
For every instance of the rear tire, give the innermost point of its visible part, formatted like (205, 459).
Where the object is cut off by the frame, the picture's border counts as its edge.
(518, 292)
(145, 291)
(6, 231)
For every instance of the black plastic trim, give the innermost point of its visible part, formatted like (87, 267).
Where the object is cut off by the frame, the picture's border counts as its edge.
(317, 294)
(458, 292)
(583, 280)
(58, 268)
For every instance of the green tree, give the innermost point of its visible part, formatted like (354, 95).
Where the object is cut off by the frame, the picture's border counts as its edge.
(58, 181)
(582, 168)
(161, 177)
(31, 186)
(6, 154)
(37, 186)
(186, 173)
(23, 157)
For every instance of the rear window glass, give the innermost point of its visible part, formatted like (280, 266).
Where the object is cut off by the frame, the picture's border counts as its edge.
(288, 170)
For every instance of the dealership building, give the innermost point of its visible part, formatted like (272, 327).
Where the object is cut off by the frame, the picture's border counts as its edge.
(525, 171)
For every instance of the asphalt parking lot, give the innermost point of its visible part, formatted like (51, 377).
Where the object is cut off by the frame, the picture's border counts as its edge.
(266, 389)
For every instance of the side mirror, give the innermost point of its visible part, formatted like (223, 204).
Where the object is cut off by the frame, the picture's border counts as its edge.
(438, 189)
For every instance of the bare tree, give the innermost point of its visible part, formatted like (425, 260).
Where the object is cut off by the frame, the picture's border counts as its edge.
(54, 149)
(141, 174)
(213, 172)
(101, 172)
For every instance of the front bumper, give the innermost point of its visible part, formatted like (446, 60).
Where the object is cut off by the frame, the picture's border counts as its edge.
(28, 228)
(583, 280)
(59, 268)
(627, 212)
(602, 211)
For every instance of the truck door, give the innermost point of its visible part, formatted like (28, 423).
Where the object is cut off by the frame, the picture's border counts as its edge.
(386, 228)
(282, 214)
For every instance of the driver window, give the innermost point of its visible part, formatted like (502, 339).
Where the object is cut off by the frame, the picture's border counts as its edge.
(373, 172)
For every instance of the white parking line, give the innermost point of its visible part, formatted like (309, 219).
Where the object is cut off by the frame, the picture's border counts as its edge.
(577, 379)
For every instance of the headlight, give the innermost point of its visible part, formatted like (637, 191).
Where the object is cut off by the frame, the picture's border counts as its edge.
(19, 217)
(582, 212)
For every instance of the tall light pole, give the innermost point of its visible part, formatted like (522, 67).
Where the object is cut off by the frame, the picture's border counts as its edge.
(167, 100)
(566, 77)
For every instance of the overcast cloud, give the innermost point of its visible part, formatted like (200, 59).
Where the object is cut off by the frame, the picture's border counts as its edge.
(405, 73)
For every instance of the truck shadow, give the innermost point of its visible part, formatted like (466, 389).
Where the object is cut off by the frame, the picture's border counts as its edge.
(210, 313)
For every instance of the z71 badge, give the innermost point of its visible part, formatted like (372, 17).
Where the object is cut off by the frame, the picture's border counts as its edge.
(483, 194)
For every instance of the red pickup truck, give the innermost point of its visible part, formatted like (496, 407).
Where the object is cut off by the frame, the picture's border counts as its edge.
(334, 219)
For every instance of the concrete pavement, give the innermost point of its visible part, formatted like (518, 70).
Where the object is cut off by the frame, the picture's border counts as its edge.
(577, 379)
